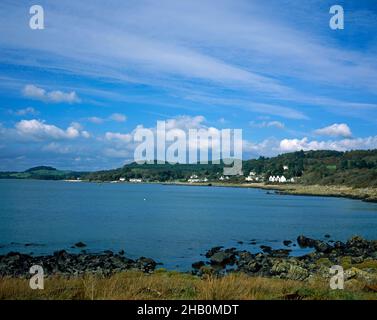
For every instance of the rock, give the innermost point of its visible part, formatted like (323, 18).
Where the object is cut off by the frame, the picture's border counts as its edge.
(327, 236)
(355, 273)
(121, 252)
(80, 244)
(245, 256)
(253, 266)
(266, 249)
(339, 245)
(240, 242)
(305, 242)
(145, 264)
(357, 259)
(322, 246)
(357, 242)
(287, 243)
(198, 265)
(281, 253)
(61, 253)
(297, 273)
(207, 270)
(222, 258)
(212, 251)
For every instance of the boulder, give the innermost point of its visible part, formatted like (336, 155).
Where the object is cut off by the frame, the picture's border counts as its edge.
(357, 242)
(287, 243)
(322, 246)
(297, 273)
(222, 258)
(266, 249)
(198, 264)
(305, 242)
(80, 245)
(212, 251)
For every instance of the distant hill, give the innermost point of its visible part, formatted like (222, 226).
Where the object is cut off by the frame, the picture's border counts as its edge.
(352, 168)
(42, 173)
(41, 168)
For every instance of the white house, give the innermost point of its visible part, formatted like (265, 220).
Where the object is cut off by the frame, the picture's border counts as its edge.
(222, 178)
(252, 176)
(135, 180)
(122, 179)
(281, 179)
(285, 168)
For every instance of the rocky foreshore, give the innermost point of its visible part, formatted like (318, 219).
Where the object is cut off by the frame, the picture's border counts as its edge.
(357, 256)
(16, 264)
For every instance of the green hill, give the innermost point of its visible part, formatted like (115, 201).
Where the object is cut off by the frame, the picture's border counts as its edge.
(352, 168)
(41, 173)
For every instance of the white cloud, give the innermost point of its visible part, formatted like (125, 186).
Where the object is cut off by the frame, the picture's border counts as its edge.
(289, 145)
(185, 122)
(335, 130)
(57, 148)
(56, 96)
(39, 130)
(118, 117)
(85, 134)
(96, 120)
(124, 137)
(122, 144)
(25, 112)
(268, 124)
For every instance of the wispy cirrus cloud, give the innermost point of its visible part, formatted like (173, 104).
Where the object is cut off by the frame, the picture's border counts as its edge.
(268, 124)
(247, 52)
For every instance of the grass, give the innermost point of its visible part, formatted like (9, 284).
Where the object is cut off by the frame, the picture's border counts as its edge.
(173, 285)
(368, 194)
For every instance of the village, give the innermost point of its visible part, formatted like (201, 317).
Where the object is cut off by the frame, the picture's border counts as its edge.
(251, 177)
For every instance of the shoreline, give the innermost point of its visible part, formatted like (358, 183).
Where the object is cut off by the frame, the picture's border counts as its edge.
(270, 271)
(363, 194)
(336, 191)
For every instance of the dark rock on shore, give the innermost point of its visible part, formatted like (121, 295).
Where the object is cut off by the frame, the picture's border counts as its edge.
(212, 251)
(319, 245)
(278, 263)
(266, 248)
(287, 242)
(61, 262)
(198, 265)
(80, 245)
(222, 258)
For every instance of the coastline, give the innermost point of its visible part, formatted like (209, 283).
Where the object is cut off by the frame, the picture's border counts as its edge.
(364, 194)
(226, 273)
(337, 191)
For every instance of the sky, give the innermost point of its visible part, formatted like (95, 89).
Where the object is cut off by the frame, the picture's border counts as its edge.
(73, 94)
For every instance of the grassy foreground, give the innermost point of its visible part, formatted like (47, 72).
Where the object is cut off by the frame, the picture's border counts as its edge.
(173, 285)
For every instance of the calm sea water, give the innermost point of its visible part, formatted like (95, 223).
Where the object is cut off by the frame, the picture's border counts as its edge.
(172, 224)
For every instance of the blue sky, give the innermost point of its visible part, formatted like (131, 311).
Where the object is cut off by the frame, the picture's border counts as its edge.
(73, 93)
